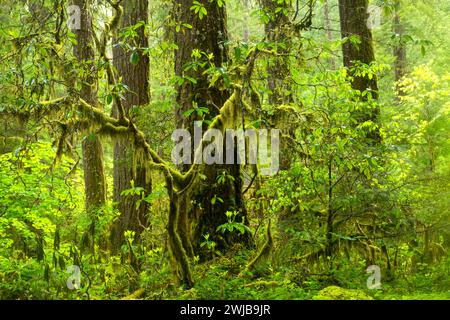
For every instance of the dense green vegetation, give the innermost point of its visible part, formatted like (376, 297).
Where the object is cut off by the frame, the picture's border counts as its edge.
(87, 181)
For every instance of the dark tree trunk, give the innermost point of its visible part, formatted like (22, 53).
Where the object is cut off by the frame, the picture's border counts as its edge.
(209, 35)
(277, 31)
(399, 48)
(136, 77)
(353, 16)
(94, 178)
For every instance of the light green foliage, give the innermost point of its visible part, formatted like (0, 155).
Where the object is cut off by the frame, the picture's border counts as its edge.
(35, 204)
(232, 225)
(199, 9)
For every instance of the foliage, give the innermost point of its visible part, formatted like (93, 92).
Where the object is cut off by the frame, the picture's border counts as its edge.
(343, 202)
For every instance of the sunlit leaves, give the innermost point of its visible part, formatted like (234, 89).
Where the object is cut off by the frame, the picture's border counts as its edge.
(199, 9)
(232, 225)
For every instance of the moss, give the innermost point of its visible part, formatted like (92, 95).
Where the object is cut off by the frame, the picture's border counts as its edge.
(228, 114)
(10, 143)
(265, 250)
(419, 296)
(337, 293)
(174, 238)
(135, 295)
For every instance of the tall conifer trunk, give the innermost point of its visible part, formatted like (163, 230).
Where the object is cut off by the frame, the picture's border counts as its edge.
(199, 213)
(135, 75)
(94, 177)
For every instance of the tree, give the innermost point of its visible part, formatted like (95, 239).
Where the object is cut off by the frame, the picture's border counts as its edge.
(277, 30)
(202, 45)
(399, 47)
(94, 177)
(327, 25)
(357, 47)
(358, 56)
(132, 65)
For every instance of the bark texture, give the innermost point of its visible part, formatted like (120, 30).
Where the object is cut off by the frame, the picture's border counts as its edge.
(198, 215)
(354, 23)
(94, 177)
(353, 17)
(278, 31)
(399, 48)
(126, 165)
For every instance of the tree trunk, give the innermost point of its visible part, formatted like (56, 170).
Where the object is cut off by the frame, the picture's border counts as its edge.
(208, 34)
(277, 31)
(353, 16)
(278, 71)
(399, 49)
(135, 75)
(327, 22)
(330, 212)
(94, 178)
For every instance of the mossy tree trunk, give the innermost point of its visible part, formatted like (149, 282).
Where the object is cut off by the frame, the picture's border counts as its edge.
(94, 177)
(399, 48)
(357, 50)
(198, 215)
(135, 75)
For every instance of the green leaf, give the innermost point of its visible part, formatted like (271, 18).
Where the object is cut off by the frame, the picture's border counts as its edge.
(237, 53)
(134, 59)
(188, 113)
(193, 80)
(109, 99)
(202, 12)
(199, 9)
(202, 110)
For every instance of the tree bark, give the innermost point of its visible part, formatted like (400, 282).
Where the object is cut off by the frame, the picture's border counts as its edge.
(399, 49)
(208, 34)
(136, 77)
(277, 31)
(353, 16)
(327, 22)
(94, 177)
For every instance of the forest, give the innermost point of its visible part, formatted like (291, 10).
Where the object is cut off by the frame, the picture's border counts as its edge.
(224, 150)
